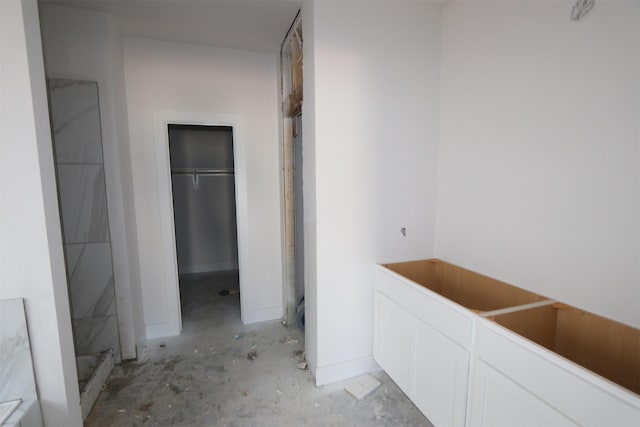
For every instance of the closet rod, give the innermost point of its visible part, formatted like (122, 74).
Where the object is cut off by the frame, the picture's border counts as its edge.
(202, 171)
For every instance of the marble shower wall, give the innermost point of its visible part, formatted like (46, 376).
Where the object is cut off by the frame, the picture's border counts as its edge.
(75, 116)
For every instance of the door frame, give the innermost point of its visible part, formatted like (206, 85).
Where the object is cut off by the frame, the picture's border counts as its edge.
(165, 195)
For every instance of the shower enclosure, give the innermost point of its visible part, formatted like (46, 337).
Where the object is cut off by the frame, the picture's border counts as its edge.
(77, 140)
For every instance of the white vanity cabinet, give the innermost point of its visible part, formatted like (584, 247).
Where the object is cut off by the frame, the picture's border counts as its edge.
(472, 351)
(439, 377)
(394, 340)
(498, 401)
(518, 382)
(430, 367)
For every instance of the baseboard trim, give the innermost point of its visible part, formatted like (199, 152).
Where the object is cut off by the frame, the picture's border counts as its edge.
(262, 314)
(344, 370)
(160, 330)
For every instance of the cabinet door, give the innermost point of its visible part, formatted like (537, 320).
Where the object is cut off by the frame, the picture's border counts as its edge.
(393, 340)
(440, 377)
(497, 401)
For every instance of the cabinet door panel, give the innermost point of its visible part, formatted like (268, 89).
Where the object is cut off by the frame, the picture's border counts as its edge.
(497, 401)
(579, 394)
(440, 377)
(393, 340)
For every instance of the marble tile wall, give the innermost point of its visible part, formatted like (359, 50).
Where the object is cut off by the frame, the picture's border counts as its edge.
(16, 368)
(95, 334)
(90, 280)
(75, 114)
(75, 117)
(83, 203)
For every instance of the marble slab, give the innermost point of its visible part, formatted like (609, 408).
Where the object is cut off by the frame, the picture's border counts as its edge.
(96, 334)
(7, 408)
(86, 365)
(16, 368)
(83, 202)
(27, 414)
(75, 115)
(90, 276)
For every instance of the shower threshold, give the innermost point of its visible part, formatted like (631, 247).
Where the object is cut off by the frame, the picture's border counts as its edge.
(93, 371)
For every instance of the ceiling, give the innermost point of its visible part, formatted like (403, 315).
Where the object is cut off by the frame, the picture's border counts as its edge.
(258, 25)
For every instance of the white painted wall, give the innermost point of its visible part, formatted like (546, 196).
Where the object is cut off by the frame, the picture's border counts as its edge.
(372, 139)
(162, 77)
(539, 166)
(31, 255)
(86, 45)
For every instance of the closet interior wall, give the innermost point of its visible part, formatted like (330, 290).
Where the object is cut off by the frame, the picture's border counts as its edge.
(204, 200)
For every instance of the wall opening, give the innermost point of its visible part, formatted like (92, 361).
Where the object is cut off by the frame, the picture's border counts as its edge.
(291, 85)
(204, 210)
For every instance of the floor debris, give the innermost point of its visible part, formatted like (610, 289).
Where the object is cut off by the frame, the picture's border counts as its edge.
(218, 386)
(361, 386)
(378, 410)
(252, 355)
(302, 366)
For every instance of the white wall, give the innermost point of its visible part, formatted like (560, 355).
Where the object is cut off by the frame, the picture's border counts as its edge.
(86, 45)
(539, 167)
(375, 84)
(31, 255)
(173, 77)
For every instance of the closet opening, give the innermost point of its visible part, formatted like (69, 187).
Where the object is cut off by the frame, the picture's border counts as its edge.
(292, 160)
(204, 208)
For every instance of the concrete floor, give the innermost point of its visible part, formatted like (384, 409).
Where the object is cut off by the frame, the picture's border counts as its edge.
(204, 378)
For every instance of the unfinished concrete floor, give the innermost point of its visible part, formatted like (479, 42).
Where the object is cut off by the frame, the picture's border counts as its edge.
(204, 378)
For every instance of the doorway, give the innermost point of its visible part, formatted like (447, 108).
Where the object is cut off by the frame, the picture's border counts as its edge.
(204, 207)
(292, 159)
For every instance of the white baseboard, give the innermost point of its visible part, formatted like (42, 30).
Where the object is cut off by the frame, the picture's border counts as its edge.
(262, 314)
(345, 370)
(160, 330)
(249, 315)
